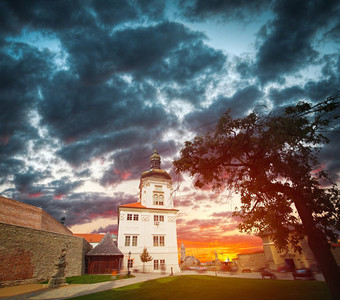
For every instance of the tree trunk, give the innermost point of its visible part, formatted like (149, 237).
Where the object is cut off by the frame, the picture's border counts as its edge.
(320, 248)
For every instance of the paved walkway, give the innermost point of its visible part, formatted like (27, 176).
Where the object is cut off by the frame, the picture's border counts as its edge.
(39, 291)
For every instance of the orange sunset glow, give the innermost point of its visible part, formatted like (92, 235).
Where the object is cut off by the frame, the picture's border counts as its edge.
(205, 251)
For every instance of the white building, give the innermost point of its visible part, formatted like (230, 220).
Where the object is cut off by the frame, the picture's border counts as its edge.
(150, 223)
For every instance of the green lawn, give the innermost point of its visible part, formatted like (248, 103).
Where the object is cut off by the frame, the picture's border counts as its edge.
(86, 279)
(210, 287)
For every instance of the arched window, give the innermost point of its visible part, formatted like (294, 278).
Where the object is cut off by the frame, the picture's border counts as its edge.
(155, 199)
(161, 200)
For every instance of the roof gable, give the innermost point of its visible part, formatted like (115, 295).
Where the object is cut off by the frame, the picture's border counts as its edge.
(106, 247)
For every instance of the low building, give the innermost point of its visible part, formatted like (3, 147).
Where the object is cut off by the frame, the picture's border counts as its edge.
(290, 259)
(105, 258)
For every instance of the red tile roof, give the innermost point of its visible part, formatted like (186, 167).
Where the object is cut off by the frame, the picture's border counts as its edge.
(139, 205)
(136, 204)
(90, 237)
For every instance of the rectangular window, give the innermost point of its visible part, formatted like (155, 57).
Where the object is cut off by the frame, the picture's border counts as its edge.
(134, 241)
(130, 263)
(162, 264)
(127, 241)
(155, 264)
(161, 241)
(155, 240)
(135, 217)
(158, 241)
(129, 217)
(157, 218)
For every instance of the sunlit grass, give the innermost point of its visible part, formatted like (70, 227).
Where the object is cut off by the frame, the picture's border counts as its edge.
(211, 287)
(88, 279)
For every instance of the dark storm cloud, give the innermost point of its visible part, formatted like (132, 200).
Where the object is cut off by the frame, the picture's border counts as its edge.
(164, 52)
(24, 181)
(46, 14)
(242, 10)
(64, 186)
(81, 173)
(23, 70)
(72, 113)
(287, 42)
(329, 83)
(92, 147)
(204, 119)
(78, 208)
(132, 161)
(8, 167)
(79, 110)
(286, 95)
(113, 12)
(334, 33)
(153, 9)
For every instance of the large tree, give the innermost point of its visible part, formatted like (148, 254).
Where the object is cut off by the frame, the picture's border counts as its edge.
(271, 160)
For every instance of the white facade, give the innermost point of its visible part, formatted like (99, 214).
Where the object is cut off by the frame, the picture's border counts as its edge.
(150, 223)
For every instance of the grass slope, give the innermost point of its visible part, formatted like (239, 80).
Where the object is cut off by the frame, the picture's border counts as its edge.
(210, 287)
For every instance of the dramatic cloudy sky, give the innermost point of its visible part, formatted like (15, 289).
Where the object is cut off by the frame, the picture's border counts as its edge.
(87, 87)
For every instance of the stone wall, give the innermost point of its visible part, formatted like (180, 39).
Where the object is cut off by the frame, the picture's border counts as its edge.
(29, 255)
(252, 261)
(21, 214)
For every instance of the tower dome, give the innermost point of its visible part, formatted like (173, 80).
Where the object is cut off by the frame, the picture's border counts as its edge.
(155, 160)
(155, 167)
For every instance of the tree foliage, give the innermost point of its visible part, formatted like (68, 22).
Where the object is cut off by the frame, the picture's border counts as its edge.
(145, 257)
(271, 161)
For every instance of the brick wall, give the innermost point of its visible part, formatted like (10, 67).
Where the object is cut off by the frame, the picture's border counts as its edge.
(28, 255)
(21, 214)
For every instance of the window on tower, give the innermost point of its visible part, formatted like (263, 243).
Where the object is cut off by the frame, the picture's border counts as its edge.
(127, 241)
(129, 217)
(158, 198)
(161, 200)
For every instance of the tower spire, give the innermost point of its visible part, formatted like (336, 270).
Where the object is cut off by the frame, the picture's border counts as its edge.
(155, 160)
